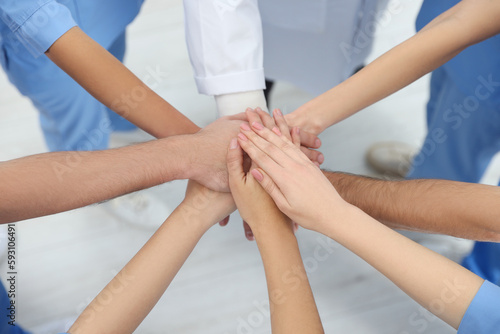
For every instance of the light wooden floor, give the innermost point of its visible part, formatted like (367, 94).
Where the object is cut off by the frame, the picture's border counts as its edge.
(65, 259)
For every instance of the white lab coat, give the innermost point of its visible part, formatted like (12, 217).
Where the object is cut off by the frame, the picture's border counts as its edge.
(314, 44)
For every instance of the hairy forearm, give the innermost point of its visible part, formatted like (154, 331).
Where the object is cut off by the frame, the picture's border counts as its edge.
(459, 209)
(465, 24)
(110, 82)
(61, 181)
(435, 282)
(293, 309)
(141, 283)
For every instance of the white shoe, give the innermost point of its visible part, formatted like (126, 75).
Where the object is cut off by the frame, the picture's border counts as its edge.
(56, 326)
(391, 158)
(124, 138)
(149, 208)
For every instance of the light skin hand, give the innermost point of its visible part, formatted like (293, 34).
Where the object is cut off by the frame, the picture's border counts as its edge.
(207, 153)
(292, 306)
(277, 125)
(290, 178)
(280, 164)
(308, 141)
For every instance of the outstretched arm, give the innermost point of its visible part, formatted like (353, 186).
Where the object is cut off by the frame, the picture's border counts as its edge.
(59, 181)
(467, 23)
(110, 82)
(124, 303)
(303, 193)
(293, 309)
(463, 210)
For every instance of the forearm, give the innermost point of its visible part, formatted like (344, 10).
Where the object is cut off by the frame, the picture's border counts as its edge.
(467, 23)
(59, 181)
(110, 82)
(293, 309)
(124, 303)
(435, 282)
(459, 209)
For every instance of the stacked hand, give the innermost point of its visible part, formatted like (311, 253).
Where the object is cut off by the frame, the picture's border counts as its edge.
(207, 154)
(289, 176)
(214, 174)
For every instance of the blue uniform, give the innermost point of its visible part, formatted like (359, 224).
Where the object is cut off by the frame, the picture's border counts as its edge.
(463, 118)
(482, 316)
(70, 118)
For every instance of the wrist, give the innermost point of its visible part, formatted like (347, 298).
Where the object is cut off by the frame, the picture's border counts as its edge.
(235, 103)
(176, 153)
(304, 118)
(274, 225)
(334, 226)
(190, 218)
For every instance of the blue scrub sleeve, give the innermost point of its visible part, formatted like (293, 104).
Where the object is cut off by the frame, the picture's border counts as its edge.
(483, 315)
(37, 24)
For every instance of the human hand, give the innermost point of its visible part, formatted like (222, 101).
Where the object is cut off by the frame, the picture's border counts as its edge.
(206, 206)
(297, 185)
(207, 153)
(310, 127)
(308, 142)
(278, 125)
(255, 206)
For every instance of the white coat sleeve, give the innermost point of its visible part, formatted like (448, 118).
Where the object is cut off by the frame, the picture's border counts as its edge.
(224, 39)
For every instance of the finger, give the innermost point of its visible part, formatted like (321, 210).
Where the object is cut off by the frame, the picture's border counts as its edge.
(266, 119)
(295, 136)
(234, 160)
(270, 187)
(313, 155)
(252, 116)
(279, 148)
(248, 231)
(307, 139)
(238, 117)
(224, 222)
(262, 152)
(281, 123)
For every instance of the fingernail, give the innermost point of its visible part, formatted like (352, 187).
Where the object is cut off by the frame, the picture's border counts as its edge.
(277, 112)
(249, 109)
(277, 131)
(234, 144)
(317, 164)
(257, 125)
(242, 137)
(250, 235)
(321, 158)
(257, 175)
(297, 131)
(244, 126)
(317, 142)
(258, 109)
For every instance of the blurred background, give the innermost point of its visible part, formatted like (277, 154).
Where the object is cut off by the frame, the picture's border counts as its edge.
(64, 260)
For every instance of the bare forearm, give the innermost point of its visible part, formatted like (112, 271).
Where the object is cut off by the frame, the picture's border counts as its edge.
(293, 309)
(110, 82)
(435, 282)
(61, 181)
(465, 24)
(459, 209)
(141, 283)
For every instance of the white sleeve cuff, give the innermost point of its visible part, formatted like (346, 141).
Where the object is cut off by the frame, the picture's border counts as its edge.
(231, 104)
(232, 83)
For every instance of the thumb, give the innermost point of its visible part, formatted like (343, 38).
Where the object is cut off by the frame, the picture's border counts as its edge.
(235, 160)
(270, 187)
